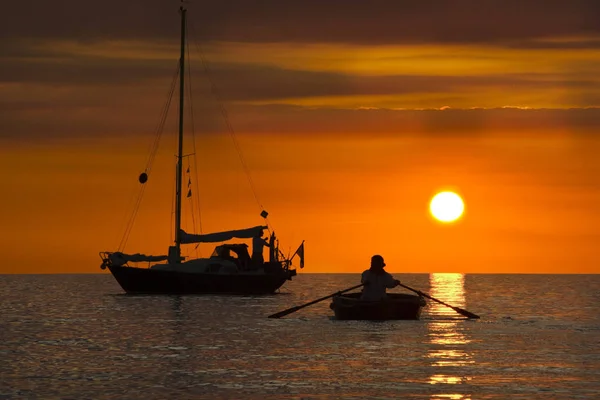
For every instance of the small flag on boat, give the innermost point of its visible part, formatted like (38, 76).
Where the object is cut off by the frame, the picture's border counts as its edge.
(264, 214)
(300, 253)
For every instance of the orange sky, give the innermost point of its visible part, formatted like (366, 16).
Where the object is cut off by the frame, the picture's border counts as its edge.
(347, 137)
(529, 208)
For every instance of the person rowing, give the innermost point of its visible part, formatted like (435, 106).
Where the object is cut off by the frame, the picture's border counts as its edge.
(376, 280)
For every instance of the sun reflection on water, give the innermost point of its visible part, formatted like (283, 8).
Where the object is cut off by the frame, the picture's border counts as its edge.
(453, 396)
(447, 336)
(449, 288)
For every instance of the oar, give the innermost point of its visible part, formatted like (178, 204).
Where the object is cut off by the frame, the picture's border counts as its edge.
(457, 309)
(296, 308)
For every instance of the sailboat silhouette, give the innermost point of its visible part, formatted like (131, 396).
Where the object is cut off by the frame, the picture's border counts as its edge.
(230, 269)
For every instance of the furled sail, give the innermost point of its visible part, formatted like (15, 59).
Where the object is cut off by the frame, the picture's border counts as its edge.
(247, 233)
(117, 258)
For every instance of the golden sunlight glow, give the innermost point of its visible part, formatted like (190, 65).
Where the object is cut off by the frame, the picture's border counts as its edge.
(446, 206)
(426, 59)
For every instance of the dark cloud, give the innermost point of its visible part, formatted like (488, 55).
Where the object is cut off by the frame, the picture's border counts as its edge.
(90, 71)
(122, 119)
(575, 44)
(247, 83)
(254, 82)
(62, 93)
(456, 122)
(346, 21)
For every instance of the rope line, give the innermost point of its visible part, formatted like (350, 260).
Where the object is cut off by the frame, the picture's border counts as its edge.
(230, 129)
(149, 163)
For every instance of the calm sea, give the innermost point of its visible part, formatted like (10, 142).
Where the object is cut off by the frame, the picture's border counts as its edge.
(80, 337)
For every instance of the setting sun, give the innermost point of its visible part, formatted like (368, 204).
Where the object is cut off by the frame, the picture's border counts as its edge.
(446, 206)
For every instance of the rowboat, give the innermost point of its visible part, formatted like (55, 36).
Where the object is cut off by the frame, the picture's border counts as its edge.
(395, 306)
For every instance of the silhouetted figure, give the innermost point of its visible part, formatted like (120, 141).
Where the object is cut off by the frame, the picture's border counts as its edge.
(272, 249)
(376, 280)
(258, 243)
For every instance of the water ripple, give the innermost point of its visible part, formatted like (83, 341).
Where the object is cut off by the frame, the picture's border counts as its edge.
(97, 343)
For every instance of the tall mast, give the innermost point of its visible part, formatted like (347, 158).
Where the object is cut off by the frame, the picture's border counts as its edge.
(180, 147)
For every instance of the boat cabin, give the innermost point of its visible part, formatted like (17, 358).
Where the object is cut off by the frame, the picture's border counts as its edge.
(235, 252)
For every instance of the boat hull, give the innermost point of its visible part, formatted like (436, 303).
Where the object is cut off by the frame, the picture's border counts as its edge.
(155, 281)
(397, 306)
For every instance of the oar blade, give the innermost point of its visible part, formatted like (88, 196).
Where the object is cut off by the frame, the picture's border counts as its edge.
(466, 313)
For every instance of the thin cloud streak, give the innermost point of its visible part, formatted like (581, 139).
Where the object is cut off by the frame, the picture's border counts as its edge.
(56, 123)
